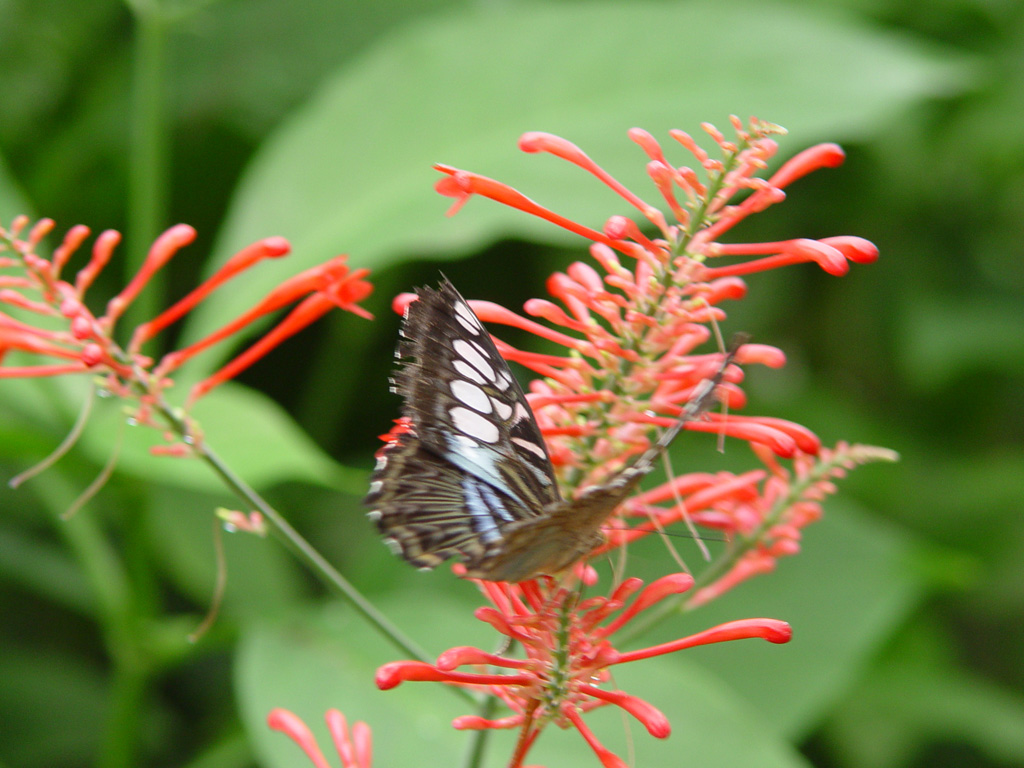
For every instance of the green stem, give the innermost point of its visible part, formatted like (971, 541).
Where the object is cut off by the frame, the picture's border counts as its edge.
(305, 551)
(619, 373)
(147, 167)
(127, 697)
(478, 741)
(116, 611)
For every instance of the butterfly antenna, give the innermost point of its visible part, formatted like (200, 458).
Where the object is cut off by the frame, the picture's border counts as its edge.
(702, 400)
(681, 505)
(721, 347)
(618, 564)
(704, 394)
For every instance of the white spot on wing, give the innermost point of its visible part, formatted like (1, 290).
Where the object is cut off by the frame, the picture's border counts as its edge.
(472, 424)
(530, 446)
(469, 371)
(503, 409)
(376, 485)
(471, 395)
(467, 319)
(479, 455)
(375, 515)
(521, 414)
(473, 355)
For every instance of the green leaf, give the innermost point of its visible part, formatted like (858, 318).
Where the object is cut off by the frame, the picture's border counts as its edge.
(249, 431)
(935, 352)
(312, 662)
(352, 170)
(261, 577)
(222, 75)
(854, 582)
(918, 694)
(51, 707)
(712, 726)
(12, 198)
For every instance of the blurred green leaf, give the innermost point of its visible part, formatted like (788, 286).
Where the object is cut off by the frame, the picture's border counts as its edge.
(44, 569)
(249, 431)
(315, 661)
(43, 47)
(851, 587)
(916, 694)
(712, 726)
(352, 170)
(224, 70)
(52, 707)
(935, 352)
(261, 575)
(12, 197)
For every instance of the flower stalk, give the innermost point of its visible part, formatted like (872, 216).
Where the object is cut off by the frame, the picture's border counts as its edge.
(36, 290)
(567, 642)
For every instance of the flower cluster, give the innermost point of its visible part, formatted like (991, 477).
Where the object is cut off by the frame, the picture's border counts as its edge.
(632, 325)
(46, 315)
(568, 656)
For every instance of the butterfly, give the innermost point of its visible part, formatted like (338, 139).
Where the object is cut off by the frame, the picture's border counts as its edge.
(469, 475)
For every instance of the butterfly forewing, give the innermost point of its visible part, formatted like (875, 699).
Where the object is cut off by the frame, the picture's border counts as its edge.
(473, 460)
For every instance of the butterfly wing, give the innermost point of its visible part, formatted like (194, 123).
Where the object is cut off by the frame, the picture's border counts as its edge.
(472, 460)
(569, 529)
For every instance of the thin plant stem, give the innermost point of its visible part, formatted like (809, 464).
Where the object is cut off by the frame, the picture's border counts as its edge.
(741, 545)
(66, 444)
(478, 740)
(148, 153)
(121, 740)
(291, 538)
(305, 551)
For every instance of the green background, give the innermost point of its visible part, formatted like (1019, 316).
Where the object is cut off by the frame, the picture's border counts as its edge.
(319, 121)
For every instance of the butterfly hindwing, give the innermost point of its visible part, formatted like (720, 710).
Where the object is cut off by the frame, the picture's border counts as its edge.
(429, 510)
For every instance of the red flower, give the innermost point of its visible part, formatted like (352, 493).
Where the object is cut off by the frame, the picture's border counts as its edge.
(354, 749)
(632, 327)
(568, 656)
(631, 332)
(58, 323)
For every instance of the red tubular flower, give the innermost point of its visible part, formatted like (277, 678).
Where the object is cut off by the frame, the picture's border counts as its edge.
(272, 247)
(165, 247)
(568, 657)
(35, 288)
(354, 747)
(342, 289)
(630, 330)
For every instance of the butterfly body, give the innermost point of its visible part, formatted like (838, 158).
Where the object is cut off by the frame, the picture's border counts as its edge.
(468, 475)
